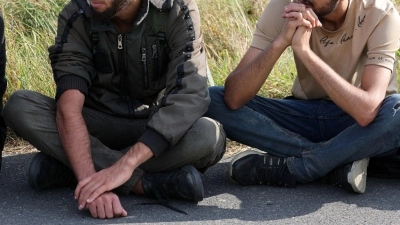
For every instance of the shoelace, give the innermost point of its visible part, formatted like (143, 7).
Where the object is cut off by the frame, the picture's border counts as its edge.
(271, 171)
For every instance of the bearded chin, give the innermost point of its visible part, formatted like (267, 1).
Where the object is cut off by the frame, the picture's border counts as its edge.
(116, 7)
(102, 16)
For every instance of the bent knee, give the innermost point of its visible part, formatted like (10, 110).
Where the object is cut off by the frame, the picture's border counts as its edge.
(217, 104)
(216, 93)
(22, 107)
(13, 106)
(211, 135)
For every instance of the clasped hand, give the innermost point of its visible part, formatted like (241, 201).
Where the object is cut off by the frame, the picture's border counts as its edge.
(299, 24)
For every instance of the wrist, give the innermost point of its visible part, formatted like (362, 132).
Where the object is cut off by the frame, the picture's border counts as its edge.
(280, 44)
(86, 172)
(301, 51)
(138, 154)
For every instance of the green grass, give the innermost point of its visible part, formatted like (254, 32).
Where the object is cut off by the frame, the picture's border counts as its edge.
(227, 26)
(227, 36)
(30, 29)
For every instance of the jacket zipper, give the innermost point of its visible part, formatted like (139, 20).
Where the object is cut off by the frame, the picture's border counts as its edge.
(124, 78)
(144, 63)
(155, 60)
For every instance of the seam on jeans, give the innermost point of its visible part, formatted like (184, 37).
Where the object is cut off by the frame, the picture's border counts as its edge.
(320, 120)
(279, 129)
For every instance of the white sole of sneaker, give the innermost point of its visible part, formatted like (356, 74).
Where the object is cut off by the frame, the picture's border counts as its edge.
(239, 156)
(357, 177)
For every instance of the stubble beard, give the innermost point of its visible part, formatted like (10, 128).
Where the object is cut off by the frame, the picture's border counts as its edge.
(116, 7)
(324, 11)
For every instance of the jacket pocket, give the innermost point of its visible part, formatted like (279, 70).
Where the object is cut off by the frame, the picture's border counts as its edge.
(154, 67)
(101, 60)
(143, 51)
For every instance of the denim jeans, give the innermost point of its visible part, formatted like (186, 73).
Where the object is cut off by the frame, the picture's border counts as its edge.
(315, 135)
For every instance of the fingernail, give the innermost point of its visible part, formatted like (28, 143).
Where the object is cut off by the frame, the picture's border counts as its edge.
(88, 200)
(80, 207)
(75, 198)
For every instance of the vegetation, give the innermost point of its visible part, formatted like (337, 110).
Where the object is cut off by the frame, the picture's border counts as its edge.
(227, 26)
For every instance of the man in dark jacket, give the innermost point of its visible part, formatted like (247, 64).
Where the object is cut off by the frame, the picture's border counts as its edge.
(131, 76)
(3, 84)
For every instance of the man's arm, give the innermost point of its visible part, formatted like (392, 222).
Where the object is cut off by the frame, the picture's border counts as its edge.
(73, 133)
(249, 76)
(361, 103)
(76, 143)
(72, 68)
(246, 80)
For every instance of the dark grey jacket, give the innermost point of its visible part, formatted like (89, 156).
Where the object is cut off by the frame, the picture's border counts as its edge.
(131, 74)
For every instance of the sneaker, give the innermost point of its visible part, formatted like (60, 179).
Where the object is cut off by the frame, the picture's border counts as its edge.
(183, 183)
(251, 168)
(46, 172)
(351, 176)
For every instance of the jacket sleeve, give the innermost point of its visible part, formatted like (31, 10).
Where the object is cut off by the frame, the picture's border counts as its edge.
(70, 56)
(186, 98)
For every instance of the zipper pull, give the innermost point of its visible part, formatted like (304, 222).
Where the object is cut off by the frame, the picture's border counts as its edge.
(154, 47)
(143, 54)
(120, 41)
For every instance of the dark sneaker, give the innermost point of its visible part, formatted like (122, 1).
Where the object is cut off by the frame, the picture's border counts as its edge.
(251, 167)
(46, 172)
(183, 183)
(351, 176)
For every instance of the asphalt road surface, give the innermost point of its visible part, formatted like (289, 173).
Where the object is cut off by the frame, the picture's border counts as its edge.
(225, 203)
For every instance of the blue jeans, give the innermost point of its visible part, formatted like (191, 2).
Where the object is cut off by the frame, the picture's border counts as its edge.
(316, 136)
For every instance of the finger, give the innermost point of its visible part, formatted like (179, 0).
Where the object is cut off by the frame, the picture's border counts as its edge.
(96, 193)
(294, 15)
(294, 24)
(118, 209)
(80, 185)
(308, 15)
(86, 192)
(312, 13)
(108, 207)
(93, 210)
(101, 210)
(294, 7)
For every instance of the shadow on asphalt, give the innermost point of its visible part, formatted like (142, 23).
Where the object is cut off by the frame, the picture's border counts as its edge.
(224, 200)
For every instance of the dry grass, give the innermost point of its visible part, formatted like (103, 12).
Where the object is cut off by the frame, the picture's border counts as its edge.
(227, 26)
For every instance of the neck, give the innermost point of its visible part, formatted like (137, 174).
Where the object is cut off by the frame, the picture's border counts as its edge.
(336, 19)
(123, 21)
